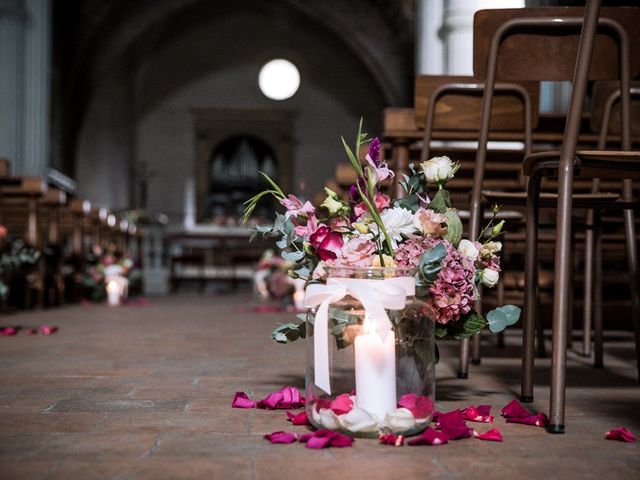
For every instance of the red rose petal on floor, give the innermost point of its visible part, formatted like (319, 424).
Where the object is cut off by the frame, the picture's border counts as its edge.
(281, 437)
(429, 437)
(391, 439)
(456, 431)
(9, 331)
(326, 438)
(454, 416)
(342, 404)
(242, 400)
(47, 330)
(284, 399)
(298, 419)
(537, 420)
(621, 434)
(419, 405)
(514, 409)
(493, 435)
(481, 413)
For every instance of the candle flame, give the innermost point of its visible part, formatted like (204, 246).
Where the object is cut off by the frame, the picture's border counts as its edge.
(112, 286)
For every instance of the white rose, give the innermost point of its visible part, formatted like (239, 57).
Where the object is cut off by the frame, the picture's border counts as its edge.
(358, 420)
(490, 248)
(489, 277)
(438, 169)
(327, 418)
(400, 420)
(468, 249)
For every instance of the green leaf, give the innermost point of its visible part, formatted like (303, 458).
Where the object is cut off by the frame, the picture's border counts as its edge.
(466, 327)
(410, 202)
(292, 256)
(502, 317)
(440, 202)
(454, 227)
(289, 332)
(275, 186)
(431, 263)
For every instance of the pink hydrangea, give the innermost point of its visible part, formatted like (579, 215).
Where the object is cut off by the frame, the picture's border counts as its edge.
(408, 254)
(453, 293)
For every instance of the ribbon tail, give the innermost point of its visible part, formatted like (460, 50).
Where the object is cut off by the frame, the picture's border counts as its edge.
(321, 347)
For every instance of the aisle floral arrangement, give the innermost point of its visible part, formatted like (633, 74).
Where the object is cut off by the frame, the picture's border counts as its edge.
(104, 264)
(271, 279)
(370, 229)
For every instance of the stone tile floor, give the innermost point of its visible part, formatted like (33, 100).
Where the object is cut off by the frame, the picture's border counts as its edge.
(145, 392)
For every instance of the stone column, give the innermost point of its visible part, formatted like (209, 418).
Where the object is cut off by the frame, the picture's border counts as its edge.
(37, 58)
(12, 18)
(429, 46)
(457, 33)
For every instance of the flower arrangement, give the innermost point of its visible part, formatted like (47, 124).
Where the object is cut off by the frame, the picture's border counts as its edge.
(16, 259)
(271, 280)
(105, 264)
(369, 229)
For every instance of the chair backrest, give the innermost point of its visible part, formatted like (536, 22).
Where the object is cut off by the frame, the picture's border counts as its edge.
(529, 55)
(601, 94)
(458, 111)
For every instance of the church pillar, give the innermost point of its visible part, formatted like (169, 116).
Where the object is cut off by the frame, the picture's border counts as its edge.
(25, 28)
(429, 46)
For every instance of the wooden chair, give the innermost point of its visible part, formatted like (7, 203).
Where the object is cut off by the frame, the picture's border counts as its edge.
(458, 101)
(529, 51)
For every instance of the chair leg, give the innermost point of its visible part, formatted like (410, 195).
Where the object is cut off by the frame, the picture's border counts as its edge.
(597, 292)
(463, 365)
(571, 283)
(632, 258)
(587, 311)
(530, 288)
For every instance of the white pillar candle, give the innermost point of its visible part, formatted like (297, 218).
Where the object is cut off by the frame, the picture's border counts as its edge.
(375, 371)
(114, 293)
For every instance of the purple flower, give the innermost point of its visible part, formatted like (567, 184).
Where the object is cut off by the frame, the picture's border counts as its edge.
(374, 151)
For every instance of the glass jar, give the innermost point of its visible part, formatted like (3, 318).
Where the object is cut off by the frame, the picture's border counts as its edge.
(377, 372)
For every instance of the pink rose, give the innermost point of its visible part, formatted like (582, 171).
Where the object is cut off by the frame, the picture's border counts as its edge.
(358, 252)
(431, 223)
(326, 242)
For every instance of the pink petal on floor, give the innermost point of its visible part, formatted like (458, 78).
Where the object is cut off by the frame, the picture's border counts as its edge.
(242, 400)
(456, 431)
(298, 418)
(454, 416)
(9, 331)
(493, 435)
(429, 437)
(281, 437)
(514, 409)
(419, 405)
(271, 401)
(537, 420)
(391, 439)
(621, 434)
(342, 404)
(481, 413)
(326, 438)
(47, 330)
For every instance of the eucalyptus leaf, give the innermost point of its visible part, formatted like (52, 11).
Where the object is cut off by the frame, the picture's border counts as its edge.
(431, 263)
(410, 202)
(292, 256)
(502, 317)
(466, 327)
(289, 332)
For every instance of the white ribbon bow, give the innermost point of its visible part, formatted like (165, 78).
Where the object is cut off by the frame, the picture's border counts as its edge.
(374, 295)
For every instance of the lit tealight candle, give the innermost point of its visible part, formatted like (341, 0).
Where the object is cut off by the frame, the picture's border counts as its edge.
(114, 293)
(375, 370)
(298, 294)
